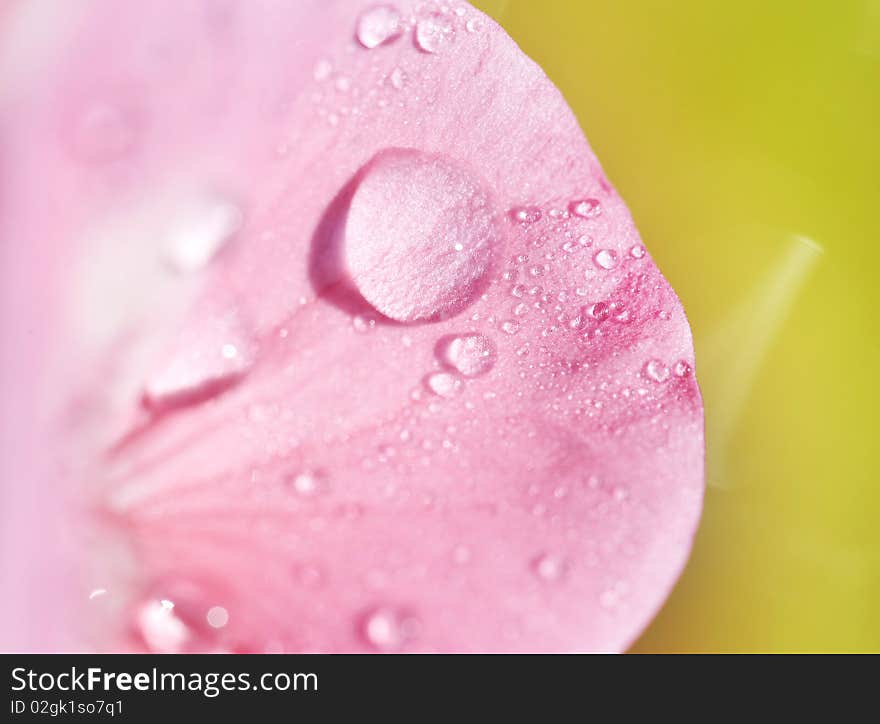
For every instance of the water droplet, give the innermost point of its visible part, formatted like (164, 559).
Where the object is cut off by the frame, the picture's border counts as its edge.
(548, 567)
(379, 25)
(525, 214)
(606, 258)
(308, 483)
(656, 371)
(609, 598)
(471, 355)
(536, 270)
(161, 629)
(217, 617)
(682, 368)
(389, 629)
(201, 233)
(511, 326)
(97, 593)
(585, 208)
(397, 78)
(203, 362)
(461, 555)
(362, 324)
(443, 384)
(637, 252)
(322, 70)
(600, 311)
(419, 236)
(104, 132)
(433, 33)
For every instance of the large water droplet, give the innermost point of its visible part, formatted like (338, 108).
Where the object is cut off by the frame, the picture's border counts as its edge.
(378, 25)
(433, 33)
(389, 629)
(606, 259)
(200, 235)
(419, 235)
(203, 362)
(470, 354)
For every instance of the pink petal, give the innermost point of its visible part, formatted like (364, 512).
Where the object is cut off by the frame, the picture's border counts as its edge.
(341, 339)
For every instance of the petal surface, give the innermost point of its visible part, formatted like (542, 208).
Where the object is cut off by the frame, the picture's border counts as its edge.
(348, 344)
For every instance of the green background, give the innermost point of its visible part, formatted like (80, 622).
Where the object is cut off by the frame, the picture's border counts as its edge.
(744, 137)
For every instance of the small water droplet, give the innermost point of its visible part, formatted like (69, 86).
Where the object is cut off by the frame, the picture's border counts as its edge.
(161, 629)
(201, 233)
(217, 617)
(656, 371)
(308, 483)
(606, 259)
(362, 324)
(433, 33)
(389, 629)
(97, 593)
(548, 567)
(443, 384)
(323, 70)
(637, 252)
(104, 132)
(682, 368)
(378, 25)
(525, 214)
(585, 208)
(408, 215)
(600, 311)
(461, 555)
(511, 326)
(397, 78)
(471, 355)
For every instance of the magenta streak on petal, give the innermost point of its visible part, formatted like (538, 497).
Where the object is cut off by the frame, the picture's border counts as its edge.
(418, 393)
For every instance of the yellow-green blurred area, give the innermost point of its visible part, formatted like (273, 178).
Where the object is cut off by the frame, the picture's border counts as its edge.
(744, 137)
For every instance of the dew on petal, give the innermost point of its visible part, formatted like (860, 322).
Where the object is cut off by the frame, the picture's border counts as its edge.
(419, 236)
(388, 629)
(378, 25)
(161, 629)
(434, 33)
(682, 368)
(548, 567)
(202, 363)
(443, 384)
(217, 617)
(585, 208)
(103, 132)
(637, 251)
(200, 235)
(525, 214)
(656, 371)
(606, 259)
(470, 355)
(307, 483)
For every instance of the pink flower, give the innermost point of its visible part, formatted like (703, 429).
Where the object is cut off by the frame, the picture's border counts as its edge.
(326, 333)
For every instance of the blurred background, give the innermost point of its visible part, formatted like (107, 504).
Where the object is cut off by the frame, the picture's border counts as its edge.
(744, 137)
